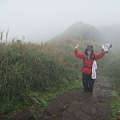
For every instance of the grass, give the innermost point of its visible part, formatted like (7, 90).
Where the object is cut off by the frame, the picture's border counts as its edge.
(45, 71)
(45, 97)
(34, 68)
(42, 97)
(115, 105)
(114, 75)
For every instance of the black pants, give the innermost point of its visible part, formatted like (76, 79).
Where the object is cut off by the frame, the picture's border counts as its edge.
(88, 82)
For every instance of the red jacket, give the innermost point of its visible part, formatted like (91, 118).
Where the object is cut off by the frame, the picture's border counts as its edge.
(87, 67)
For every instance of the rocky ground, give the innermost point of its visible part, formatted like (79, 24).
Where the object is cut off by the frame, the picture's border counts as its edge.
(75, 105)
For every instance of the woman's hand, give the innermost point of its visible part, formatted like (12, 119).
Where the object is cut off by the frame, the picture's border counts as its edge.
(77, 46)
(104, 51)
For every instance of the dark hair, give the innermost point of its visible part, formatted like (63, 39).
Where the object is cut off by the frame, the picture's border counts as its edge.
(87, 53)
(89, 47)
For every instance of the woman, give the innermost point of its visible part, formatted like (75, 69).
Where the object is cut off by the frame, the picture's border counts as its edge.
(88, 58)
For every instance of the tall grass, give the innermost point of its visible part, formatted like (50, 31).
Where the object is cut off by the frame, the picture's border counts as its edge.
(26, 68)
(112, 70)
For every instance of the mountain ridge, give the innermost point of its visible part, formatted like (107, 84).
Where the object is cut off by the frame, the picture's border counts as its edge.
(79, 31)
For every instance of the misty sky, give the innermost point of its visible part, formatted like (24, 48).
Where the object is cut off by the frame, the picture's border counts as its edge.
(41, 20)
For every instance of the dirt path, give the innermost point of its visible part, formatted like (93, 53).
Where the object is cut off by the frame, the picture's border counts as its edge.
(78, 105)
(75, 105)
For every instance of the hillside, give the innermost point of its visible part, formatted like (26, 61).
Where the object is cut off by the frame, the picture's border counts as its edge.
(79, 31)
(46, 72)
(84, 34)
(75, 105)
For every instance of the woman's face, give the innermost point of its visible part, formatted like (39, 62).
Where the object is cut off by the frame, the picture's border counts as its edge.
(89, 52)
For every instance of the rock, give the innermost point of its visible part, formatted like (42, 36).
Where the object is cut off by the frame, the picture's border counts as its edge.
(34, 101)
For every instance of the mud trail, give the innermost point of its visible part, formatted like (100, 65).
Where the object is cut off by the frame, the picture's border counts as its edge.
(79, 105)
(75, 105)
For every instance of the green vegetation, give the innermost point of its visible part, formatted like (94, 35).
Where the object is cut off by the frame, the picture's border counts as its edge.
(46, 70)
(113, 71)
(28, 70)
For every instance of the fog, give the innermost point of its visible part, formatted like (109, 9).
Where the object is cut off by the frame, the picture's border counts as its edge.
(41, 20)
